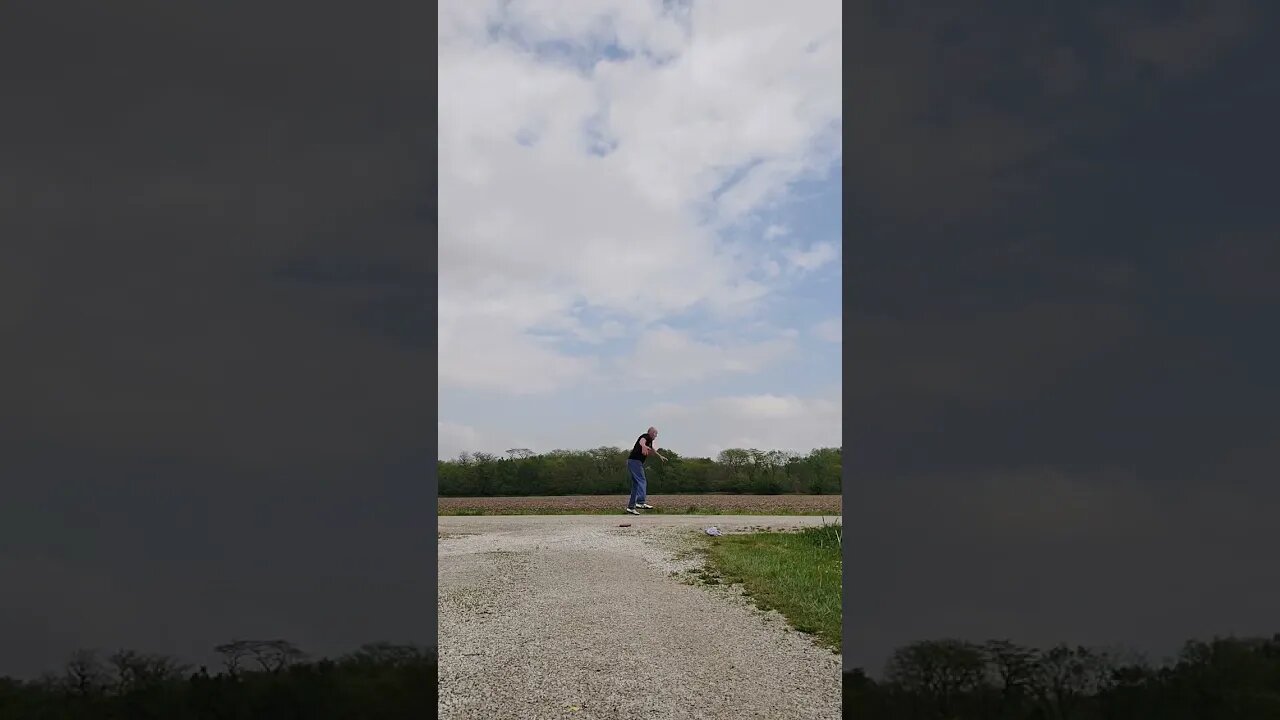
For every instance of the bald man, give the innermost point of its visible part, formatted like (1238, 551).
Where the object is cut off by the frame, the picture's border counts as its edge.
(644, 447)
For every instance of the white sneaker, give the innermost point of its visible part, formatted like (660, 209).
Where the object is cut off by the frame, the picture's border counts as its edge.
(646, 506)
(633, 511)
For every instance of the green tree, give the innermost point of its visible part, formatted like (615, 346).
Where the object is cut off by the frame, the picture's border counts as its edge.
(603, 471)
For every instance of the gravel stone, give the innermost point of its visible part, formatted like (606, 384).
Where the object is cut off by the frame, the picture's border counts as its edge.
(574, 617)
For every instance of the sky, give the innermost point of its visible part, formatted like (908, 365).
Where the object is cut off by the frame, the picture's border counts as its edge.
(640, 224)
(1060, 288)
(216, 300)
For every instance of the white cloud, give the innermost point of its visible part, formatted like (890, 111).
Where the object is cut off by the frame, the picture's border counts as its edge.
(700, 427)
(772, 422)
(489, 347)
(668, 357)
(814, 257)
(776, 231)
(529, 232)
(455, 439)
(829, 330)
(763, 407)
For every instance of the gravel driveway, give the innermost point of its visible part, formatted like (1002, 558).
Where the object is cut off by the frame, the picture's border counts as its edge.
(575, 617)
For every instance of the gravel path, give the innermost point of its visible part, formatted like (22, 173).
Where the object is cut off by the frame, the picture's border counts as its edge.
(575, 617)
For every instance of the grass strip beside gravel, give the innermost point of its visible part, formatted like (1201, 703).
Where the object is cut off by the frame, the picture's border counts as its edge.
(795, 573)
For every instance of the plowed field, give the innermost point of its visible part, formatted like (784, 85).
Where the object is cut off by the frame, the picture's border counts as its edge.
(663, 504)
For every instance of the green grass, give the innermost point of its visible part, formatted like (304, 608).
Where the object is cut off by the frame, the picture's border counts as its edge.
(691, 510)
(795, 573)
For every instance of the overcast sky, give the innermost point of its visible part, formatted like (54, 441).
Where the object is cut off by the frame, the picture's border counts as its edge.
(1061, 263)
(639, 224)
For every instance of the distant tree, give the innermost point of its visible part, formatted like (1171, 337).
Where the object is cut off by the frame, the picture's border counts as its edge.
(85, 674)
(939, 671)
(380, 680)
(137, 671)
(1063, 677)
(387, 654)
(1013, 668)
(268, 655)
(1221, 679)
(602, 470)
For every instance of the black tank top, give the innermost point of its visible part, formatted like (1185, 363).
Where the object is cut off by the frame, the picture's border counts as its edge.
(635, 451)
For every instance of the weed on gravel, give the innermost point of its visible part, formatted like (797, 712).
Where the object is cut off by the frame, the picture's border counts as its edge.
(794, 573)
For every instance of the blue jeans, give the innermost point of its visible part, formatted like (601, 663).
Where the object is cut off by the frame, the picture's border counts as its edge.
(638, 483)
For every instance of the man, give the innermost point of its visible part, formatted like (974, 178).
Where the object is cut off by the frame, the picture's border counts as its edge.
(644, 447)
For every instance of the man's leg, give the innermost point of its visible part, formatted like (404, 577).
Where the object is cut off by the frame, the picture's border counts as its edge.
(641, 484)
(635, 485)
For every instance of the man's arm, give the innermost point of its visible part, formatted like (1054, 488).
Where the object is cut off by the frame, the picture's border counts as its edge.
(647, 451)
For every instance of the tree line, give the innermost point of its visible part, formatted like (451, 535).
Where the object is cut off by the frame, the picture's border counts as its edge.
(602, 471)
(258, 679)
(1221, 679)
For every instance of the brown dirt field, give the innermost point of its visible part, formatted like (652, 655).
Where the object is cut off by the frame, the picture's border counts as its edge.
(703, 504)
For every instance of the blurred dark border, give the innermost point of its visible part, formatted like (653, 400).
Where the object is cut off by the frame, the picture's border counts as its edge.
(1060, 257)
(218, 301)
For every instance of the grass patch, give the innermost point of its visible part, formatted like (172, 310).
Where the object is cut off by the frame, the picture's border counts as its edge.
(455, 512)
(795, 573)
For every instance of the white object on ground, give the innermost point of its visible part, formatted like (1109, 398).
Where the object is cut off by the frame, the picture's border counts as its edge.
(713, 531)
